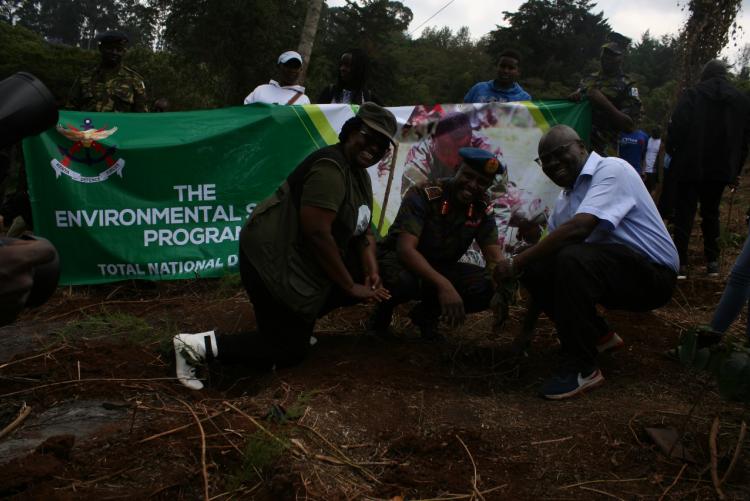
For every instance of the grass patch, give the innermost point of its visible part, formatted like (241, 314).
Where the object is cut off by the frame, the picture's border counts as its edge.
(260, 455)
(298, 407)
(109, 325)
(228, 285)
(730, 240)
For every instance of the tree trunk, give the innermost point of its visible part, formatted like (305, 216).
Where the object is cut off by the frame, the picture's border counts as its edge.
(308, 33)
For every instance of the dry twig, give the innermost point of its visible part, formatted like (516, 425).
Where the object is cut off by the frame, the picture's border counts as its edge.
(674, 482)
(22, 415)
(242, 490)
(452, 497)
(606, 481)
(714, 457)
(342, 456)
(78, 381)
(603, 493)
(94, 481)
(221, 432)
(203, 448)
(553, 441)
(630, 426)
(735, 456)
(256, 423)
(46, 353)
(474, 465)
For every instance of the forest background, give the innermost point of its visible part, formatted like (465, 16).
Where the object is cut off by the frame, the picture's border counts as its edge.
(203, 54)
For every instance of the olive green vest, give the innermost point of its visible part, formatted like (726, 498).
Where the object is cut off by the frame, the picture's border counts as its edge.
(273, 242)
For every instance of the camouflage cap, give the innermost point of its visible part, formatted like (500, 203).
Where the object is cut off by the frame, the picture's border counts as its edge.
(112, 37)
(482, 161)
(379, 119)
(616, 43)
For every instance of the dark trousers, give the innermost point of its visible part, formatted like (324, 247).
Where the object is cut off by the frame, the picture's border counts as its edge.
(707, 194)
(470, 281)
(282, 337)
(668, 194)
(569, 285)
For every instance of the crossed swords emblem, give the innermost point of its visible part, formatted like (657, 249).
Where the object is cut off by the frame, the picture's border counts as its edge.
(86, 138)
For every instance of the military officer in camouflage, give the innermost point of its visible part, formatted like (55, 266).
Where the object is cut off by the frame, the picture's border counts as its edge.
(110, 86)
(613, 95)
(435, 225)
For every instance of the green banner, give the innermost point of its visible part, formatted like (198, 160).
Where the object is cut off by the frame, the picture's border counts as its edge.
(163, 196)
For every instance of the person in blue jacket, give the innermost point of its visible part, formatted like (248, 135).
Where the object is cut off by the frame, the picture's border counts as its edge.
(504, 88)
(631, 147)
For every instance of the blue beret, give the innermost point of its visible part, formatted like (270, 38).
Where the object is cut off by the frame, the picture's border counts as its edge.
(482, 161)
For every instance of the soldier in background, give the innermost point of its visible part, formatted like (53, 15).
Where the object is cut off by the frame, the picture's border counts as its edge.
(613, 95)
(110, 86)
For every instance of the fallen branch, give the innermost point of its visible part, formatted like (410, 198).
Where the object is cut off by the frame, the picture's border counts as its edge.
(46, 353)
(92, 380)
(107, 303)
(552, 441)
(203, 448)
(256, 423)
(604, 493)
(342, 456)
(474, 465)
(329, 459)
(715, 457)
(736, 455)
(616, 480)
(84, 483)
(452, 497)
(22, 415)
(674, 482)
(178, 429)
(221, 432)
(241, 490)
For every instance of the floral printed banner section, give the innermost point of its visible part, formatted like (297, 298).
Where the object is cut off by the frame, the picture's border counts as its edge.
(428, 149)
(163, 196)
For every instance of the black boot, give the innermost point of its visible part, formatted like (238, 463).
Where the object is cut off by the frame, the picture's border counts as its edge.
(379, 322)
(426, 322)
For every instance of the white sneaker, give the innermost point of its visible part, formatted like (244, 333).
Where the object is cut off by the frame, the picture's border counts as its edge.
(190, 351)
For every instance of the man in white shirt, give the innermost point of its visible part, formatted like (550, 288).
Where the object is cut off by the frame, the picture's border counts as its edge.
(285, 90)
(606, 245)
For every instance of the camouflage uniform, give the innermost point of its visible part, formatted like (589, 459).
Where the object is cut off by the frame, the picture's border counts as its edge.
(445, 233)
(623, 94)
(120, 90)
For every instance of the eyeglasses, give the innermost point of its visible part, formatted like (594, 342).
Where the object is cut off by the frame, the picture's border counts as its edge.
(556, 153)
(375, 138)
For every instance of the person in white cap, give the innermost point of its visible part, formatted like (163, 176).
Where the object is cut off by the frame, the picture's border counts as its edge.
(285, 90)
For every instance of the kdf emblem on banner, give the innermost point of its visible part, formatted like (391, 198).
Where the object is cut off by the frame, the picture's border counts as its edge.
(87, 150)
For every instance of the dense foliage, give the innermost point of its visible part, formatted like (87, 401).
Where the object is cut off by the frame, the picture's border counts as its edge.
(209, 53)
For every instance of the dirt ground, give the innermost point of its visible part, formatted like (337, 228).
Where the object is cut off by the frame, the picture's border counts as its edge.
(363, 417)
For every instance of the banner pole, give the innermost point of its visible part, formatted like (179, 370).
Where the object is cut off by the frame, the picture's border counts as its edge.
(387, 189)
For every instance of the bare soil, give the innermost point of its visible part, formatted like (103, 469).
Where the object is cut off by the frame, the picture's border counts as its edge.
(363, 417)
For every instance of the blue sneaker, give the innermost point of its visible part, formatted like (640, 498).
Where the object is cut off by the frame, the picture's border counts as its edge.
(569, 384)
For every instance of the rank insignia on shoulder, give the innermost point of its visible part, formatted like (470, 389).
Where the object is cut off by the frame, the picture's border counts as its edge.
(433, 192)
